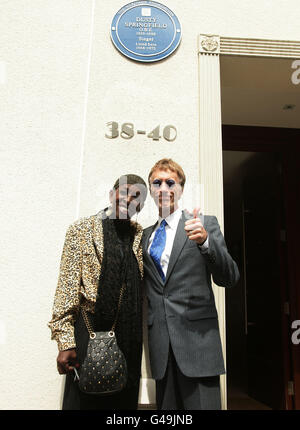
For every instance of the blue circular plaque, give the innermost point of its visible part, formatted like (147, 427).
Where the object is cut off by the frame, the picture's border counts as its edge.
(145, 31)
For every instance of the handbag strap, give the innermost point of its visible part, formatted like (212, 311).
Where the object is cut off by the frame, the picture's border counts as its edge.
(112, 330)
(119, 305)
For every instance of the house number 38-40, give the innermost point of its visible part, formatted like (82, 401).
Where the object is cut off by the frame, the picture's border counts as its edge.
(127, 131)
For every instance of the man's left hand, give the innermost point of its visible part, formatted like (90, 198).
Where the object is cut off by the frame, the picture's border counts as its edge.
(195, 230)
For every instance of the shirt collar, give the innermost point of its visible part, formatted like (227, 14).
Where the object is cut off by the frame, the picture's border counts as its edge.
(173, 219)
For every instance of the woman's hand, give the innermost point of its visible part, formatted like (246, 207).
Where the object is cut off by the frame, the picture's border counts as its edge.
(66, 361)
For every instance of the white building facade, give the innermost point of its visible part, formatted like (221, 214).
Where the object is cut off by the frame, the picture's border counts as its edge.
(61, 82)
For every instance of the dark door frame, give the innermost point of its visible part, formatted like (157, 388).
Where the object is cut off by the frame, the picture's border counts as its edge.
(286, 142)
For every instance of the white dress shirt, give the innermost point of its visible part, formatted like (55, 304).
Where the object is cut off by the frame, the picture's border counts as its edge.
(172, 223)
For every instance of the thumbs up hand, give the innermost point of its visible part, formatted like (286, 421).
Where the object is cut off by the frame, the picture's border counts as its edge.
(194, 228)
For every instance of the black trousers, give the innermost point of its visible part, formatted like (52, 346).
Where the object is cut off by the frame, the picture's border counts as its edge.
(179, 392)
(74, 399)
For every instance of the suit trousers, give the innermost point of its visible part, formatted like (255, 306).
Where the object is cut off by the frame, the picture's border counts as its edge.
(179, 392)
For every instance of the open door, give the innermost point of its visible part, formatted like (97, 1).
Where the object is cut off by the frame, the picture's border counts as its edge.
(261, 214)
(253, 225)
(262, 211)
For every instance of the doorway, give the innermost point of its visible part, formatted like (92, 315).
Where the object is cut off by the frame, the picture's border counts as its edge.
(261, 191)
(253, 216)
(261, 144)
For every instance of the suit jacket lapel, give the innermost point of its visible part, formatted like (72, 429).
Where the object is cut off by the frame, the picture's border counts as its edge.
(146, 237)
(153, 272)
(179, 242)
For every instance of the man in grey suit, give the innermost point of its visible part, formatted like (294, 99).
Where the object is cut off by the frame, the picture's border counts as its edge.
(181, 253)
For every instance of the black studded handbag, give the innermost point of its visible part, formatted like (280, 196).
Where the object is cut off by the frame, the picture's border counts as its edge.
(104, 369)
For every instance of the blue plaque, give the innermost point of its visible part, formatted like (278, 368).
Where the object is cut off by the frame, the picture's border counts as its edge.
(145, 31)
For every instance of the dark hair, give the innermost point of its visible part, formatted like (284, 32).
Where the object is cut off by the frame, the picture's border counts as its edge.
(131, 179)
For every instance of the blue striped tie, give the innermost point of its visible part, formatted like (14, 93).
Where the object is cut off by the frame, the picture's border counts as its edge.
(158, 245)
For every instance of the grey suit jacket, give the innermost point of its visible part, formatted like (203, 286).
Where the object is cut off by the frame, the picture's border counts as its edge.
(182, 310)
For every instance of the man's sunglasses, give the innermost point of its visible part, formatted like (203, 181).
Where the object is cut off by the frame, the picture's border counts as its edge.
(157, 183)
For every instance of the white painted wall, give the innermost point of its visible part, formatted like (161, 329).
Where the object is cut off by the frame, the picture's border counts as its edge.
(56, 163)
